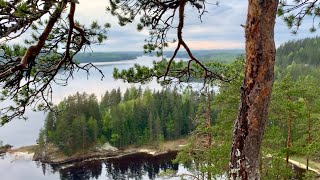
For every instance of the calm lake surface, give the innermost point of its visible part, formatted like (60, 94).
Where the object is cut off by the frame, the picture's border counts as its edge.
(21, 133)
(139, 167)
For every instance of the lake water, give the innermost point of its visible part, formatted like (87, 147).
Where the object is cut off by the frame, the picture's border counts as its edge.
(139, 167)
(21, 133)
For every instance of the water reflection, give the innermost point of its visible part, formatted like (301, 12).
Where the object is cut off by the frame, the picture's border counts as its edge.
(137, 167)
(88, 170)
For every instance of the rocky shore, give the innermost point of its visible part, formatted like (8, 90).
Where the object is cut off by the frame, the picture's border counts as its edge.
(102, 155)
(53, 156)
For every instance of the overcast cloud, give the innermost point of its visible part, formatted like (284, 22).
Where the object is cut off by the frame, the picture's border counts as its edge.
(220, 28)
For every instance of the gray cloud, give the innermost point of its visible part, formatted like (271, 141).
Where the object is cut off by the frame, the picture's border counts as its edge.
(220, 26)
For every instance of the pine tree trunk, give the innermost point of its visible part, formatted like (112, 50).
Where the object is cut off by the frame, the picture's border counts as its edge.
(289, 138)
(256, 90)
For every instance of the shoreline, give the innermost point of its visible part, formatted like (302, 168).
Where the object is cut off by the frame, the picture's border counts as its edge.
(56, 158)
(100, 156)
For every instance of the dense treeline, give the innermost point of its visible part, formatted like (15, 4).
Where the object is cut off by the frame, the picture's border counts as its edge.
(138, 117)
(304, 51)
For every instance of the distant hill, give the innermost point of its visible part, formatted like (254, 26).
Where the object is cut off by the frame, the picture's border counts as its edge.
(106, 56)
(203, 55)
(222, 55)
(304, 51)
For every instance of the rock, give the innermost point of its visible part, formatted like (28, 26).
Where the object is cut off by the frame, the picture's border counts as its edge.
(5, 148)
(148, 151)
(107, 147)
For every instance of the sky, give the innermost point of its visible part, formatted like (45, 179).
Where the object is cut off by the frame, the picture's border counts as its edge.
(220, 28)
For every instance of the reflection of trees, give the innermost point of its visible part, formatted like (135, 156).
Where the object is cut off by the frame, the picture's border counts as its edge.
(86, 170)
(154, 168)
(131, 167)
(124, 170)
(134, 167)
(46, 169)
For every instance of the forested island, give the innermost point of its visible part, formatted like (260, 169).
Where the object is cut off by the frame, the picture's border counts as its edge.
(138, 117)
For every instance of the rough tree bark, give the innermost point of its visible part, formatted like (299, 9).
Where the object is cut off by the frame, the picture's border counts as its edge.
(256, 89)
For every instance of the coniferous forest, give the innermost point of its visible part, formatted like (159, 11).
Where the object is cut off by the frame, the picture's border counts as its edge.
(137, 117)
(303, 51)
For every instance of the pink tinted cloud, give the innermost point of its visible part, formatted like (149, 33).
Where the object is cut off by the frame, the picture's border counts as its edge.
(207, 45)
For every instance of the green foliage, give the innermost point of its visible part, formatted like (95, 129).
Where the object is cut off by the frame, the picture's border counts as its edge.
(144, 74)
(77, 126)
(22, 10)
(275, 168)
(179, 71)
(41, 141)
(309, 175)
(12, 51)
(304, 52)
(3, 4)
(139, 117)
(148, 117)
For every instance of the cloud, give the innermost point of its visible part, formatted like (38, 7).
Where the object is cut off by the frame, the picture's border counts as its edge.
(208, 45)
(220, 27)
